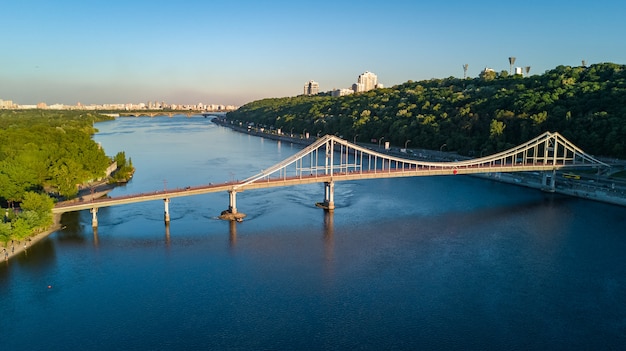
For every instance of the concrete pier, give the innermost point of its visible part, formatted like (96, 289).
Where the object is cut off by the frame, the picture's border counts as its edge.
(329, 197)
(232, 201)
(94, 217)
(166, 215)
(548, 181)
(231, 214)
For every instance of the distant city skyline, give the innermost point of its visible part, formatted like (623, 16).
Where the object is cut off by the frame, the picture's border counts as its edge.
(150, 105)
(234, 52)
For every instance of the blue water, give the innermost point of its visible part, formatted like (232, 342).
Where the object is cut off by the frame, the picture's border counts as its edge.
(450, 262)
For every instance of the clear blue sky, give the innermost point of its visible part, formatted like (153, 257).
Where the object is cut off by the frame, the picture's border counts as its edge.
(236, 51)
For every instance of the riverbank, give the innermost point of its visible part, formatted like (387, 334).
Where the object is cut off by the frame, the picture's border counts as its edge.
(16, 247)
(262, 133)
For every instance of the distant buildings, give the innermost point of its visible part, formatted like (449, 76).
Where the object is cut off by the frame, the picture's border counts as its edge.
(311, 88)
(341, 92)
(7, 104)
(366, 82)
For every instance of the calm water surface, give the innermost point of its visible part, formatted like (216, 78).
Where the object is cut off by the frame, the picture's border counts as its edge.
(418, 263)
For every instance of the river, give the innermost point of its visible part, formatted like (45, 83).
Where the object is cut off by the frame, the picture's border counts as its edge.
(449, 262)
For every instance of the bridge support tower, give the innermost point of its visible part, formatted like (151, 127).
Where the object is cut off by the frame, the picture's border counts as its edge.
(94, 217)
(232, 201)
(548, 181)
(329, 197)
(231, 214)
(166, 201)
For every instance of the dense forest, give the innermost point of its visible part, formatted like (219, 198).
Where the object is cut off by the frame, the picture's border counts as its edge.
(470, 116)
(43, 154)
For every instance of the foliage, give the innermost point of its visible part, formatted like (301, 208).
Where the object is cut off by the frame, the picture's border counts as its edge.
(42, 152)
(124, 170)
(471, 116)
(39, 206)
(48, 150)
(5, 232)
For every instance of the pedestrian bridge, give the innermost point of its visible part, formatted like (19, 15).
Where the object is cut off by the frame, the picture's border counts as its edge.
(331, 159)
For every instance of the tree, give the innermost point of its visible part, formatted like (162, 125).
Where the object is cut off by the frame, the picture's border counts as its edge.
(487, 74)
(496, 128)
(5, 232)
(41, 205)
(20, 228)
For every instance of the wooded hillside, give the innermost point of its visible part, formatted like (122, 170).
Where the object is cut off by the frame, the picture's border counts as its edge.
(50, 150)
(470, 116)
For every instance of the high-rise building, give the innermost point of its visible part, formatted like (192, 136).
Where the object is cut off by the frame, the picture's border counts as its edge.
(6, 104)
(311, 88)
(367, 81)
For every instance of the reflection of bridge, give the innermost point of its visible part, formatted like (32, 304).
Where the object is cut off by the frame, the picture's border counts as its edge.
(330, 159)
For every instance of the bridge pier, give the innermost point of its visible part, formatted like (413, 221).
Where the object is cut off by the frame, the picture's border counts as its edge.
(548, 182)
(166, 201)
(94, 217)
(329, 197)
(232, 201)
(231, 214)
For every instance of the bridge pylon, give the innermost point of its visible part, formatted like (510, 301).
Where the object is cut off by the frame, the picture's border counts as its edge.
(232, 201)
(548, 181)
(94, 217)
(231, 214)
(166, 215)
(329, 197)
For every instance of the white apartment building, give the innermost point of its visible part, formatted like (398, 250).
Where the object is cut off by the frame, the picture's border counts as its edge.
(6, 103)
(311, 88)
(366, 82)
(341, 92)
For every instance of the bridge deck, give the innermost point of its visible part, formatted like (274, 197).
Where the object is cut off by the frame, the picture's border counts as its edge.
(292, 181)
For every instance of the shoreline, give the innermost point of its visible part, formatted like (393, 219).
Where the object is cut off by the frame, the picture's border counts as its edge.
(25, 244)
(21, 246)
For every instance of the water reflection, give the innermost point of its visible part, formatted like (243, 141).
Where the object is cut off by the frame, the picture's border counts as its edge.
(96, 242)
(232, 237)
(329, 232)
(167, 235)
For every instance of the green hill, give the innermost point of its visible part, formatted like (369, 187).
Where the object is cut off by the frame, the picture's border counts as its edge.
(44, 152)
(476, 116)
